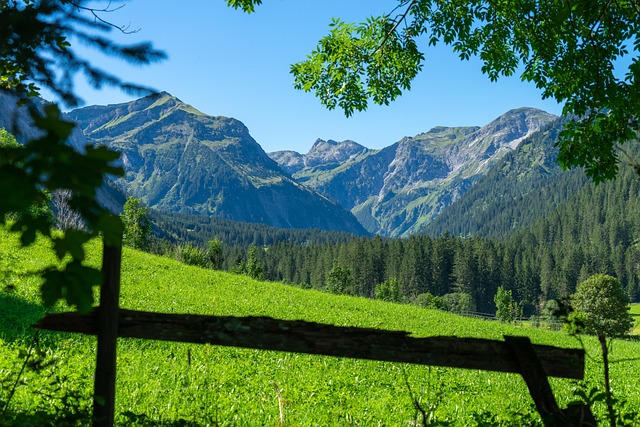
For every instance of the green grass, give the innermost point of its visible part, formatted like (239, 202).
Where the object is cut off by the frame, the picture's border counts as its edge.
(229, 386)
(635, 313)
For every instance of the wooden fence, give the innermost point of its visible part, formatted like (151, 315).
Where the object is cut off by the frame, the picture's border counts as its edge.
(515, 354)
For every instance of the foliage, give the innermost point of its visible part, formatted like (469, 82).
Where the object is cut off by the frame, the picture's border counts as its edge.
(47, 163)
(574, 58)
(458, 302)
(388, 291)
(526, 185)
(254, 268)
(36, 50)
(507, 310)
(199, 229)
(192, 255)
(214, 252)
(591, 232)
(246, 5)
(426, 300)
(601, 306)
(136, 224)
(340, 281)
(575, 53)
(7, 139)
(356, 63)
(35, 53)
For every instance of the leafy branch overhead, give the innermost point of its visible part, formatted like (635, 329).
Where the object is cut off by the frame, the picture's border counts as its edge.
(583, 54)
(35, 54)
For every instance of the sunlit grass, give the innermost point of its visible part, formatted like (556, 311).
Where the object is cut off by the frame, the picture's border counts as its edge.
(635, 312)
(228, 386)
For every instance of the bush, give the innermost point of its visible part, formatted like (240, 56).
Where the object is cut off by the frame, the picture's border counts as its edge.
(388, 291)
(601, 307)
(507, 310)
(192, 255)
(427, 300)
(340, 281)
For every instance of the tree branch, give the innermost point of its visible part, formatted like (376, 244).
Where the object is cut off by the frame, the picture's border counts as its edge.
(395, 26)
(95, 12)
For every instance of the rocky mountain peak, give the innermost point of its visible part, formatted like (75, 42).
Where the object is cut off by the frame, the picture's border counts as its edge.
(322, 154)
(330, 151)
(397, 190)
(515, 125)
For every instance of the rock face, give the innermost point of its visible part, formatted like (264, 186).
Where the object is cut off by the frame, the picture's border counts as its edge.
(178, 159)
(396, 191)
(524, 186)
(17, 120)
(323, 155)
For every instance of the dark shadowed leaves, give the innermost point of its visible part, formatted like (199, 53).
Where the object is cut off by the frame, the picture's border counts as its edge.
(74, 283)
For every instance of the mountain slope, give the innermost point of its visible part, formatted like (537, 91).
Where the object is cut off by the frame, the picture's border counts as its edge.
(17, 120)
(396, 191)
(179, 159)
(524, 186)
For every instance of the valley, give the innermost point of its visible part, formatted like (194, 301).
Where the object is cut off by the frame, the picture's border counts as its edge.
(497, 199)
(459, 214)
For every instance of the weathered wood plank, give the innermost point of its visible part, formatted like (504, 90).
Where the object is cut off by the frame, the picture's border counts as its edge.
(265, 333)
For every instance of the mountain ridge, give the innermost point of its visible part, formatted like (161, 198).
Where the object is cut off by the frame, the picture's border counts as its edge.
(397, 190)
(179, 159)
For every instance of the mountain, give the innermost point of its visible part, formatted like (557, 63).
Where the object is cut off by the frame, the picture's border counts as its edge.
(526, 185)
(398, 190)
(324, 155)
(178, 159)
(17, 120)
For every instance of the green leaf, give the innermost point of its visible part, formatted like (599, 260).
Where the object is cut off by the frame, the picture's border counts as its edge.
(71, 243)
(74, 283)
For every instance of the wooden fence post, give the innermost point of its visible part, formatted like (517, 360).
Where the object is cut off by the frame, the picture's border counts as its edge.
(107, 332)
(540, 389)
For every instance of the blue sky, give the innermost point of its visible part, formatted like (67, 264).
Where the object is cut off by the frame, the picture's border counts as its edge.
(227, 63)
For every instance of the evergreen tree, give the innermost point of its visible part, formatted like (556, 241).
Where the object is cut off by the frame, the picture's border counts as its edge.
(214, 252)
(254, 267)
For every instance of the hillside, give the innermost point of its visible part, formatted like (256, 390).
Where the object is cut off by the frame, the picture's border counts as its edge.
(199, 229)
(162, 383)
(521, 188)
(180, 160)
(398, 190)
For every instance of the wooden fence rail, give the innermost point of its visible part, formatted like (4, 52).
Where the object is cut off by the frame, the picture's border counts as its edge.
(516, 354)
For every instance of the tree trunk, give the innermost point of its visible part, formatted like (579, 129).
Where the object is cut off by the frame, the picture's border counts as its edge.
(607, 385)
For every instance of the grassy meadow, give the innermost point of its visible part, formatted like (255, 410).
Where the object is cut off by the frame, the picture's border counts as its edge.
(170, 384)
(635, 312)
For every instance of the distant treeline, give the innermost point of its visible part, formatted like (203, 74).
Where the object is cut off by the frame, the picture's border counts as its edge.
(597, 231)
(199, 229)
